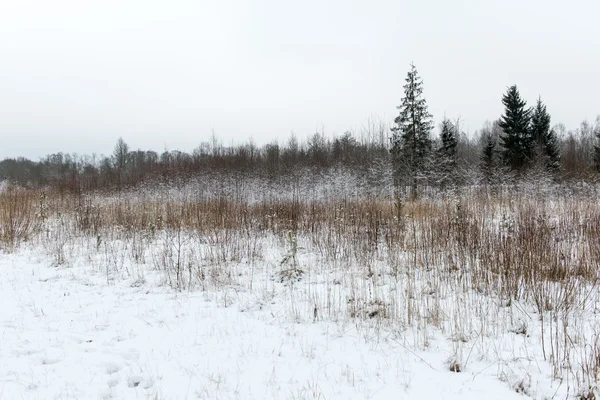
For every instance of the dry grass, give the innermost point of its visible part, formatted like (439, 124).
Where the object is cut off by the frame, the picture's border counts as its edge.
(465, 265)
(18, 216)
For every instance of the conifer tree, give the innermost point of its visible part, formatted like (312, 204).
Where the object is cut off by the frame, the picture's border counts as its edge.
(517, 142)
(411, 141)
(544, 137)
(448, 139)
(446, 152)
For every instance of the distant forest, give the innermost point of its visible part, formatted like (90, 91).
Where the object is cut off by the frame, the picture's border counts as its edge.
(520, 144)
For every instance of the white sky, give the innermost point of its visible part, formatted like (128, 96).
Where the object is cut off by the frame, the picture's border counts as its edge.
(76, 75)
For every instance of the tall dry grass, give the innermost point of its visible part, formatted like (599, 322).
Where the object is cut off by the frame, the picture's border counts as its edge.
(473, 264)
(18, 218)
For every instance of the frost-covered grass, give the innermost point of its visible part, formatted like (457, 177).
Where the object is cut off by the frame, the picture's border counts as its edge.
(184, 294)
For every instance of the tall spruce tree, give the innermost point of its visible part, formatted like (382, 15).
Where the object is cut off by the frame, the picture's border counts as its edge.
(545, 140)
(448, 139)
(517, 141)
(411, 141)
(446, 153)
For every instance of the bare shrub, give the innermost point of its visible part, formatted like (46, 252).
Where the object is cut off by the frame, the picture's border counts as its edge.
(18, 220)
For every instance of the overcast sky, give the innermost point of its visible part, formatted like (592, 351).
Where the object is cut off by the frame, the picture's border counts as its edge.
(76, 75)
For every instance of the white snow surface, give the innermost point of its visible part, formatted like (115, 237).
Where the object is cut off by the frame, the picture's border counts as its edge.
(68, 333)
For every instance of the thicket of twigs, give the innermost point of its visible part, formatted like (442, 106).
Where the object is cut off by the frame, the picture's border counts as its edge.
(358, 152)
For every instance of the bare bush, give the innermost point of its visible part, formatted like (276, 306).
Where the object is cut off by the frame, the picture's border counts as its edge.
(18, 221)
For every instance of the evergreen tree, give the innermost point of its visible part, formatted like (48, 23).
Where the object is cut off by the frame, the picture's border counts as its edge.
(446, 152)
(488, 157)
(448, 140)
(545, 138)
(517, 141)
(552, 148)
(411, 141)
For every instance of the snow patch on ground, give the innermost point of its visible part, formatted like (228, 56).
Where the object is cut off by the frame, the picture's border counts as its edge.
(65, 333)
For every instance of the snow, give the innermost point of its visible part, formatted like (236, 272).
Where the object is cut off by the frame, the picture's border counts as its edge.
(69, 333)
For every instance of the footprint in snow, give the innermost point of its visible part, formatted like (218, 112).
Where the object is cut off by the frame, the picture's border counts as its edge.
(134, 381)
(113, 382)
(50, 360)
(112, 368)
(137, 381)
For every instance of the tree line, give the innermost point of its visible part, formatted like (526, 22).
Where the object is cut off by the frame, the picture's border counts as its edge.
(521, 143)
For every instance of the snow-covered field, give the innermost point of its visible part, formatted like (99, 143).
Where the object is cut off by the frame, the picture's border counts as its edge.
(489, 298)
(67, 334)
